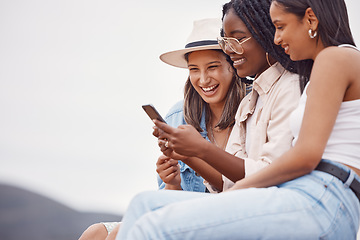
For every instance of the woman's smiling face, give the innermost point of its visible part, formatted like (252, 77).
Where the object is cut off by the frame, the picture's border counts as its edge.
(253, 60)
(292, 33)
(210, 74)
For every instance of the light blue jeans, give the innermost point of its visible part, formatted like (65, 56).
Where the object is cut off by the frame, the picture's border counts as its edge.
(315, 206)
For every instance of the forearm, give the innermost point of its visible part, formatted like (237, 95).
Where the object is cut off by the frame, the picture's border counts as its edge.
(206, 171)
(227, 164)
(289, 166)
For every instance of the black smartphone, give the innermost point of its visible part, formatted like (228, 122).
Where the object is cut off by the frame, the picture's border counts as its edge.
(152, 112)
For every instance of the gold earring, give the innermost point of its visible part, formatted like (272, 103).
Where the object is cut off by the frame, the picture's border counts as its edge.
(312, 34)
(267, 59)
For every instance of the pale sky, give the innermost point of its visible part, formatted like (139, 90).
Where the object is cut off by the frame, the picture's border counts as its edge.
(73, 77)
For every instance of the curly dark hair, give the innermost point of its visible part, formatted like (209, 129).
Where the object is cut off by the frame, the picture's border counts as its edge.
(256, 16)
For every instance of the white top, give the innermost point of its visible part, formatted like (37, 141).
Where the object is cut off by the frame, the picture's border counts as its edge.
(343, 145)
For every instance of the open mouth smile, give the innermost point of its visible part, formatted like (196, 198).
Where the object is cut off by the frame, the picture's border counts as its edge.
(286, 48)
(238, 62)
(209, 89)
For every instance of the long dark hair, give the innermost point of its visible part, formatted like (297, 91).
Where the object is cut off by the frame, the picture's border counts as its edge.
(194, 104)
(256, 16)
(333, 28)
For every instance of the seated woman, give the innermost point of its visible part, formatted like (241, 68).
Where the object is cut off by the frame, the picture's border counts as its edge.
(310, 192)
(212, 94)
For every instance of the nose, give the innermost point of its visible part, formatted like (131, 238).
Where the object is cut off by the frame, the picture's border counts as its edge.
(204, 78)
(227, 49)
(277, 38)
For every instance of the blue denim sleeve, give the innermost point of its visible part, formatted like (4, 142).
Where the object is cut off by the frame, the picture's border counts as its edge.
(189, 180)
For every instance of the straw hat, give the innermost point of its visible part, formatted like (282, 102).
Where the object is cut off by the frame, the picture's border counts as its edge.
(203, 37)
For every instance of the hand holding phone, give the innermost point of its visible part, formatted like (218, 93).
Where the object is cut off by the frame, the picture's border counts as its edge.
(152, 112)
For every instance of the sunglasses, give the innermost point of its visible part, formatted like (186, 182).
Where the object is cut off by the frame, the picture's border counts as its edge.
(234, 44)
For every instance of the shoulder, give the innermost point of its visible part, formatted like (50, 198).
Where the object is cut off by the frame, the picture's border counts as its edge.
(175, 116)
(343, 50)
(338, 62)
(176, 108)
(338, 57)
(290, 78)
(289, 83)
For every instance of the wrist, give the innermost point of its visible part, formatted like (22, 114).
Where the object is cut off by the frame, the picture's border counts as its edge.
(185, 159)
(204, 149)
(173, 187)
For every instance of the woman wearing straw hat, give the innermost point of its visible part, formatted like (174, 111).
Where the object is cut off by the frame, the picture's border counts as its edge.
(212, 94)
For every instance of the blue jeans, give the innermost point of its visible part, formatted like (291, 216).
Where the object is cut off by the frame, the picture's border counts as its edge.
(315, 206)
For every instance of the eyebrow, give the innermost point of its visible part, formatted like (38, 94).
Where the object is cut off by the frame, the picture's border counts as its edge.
(213, 62)
(194, 65)
(276, 21)
(237, 31)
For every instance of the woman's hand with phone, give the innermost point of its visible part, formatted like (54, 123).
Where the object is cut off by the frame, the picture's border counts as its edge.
(156, 131)
(184, 140)
(169, 172)
(169, 152)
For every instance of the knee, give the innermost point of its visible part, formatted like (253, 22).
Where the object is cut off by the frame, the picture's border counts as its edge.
(96, 231)
(113, 233)
(143, 198)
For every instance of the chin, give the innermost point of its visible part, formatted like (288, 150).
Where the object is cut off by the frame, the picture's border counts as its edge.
(241, 73)
(244, 74)
(294, 57)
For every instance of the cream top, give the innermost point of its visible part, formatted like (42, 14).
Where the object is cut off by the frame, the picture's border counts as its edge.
(269, 134)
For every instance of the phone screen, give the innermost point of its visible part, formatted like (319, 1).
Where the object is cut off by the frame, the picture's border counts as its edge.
(152, 112)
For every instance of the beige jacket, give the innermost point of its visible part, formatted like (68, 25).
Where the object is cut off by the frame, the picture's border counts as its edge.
(279, 91)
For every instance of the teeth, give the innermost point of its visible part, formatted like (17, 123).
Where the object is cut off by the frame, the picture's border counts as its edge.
(207, 89)
(239, 61)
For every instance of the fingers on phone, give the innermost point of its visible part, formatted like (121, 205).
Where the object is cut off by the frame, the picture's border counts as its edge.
(163, 126)
(164, 145)
(156, 131)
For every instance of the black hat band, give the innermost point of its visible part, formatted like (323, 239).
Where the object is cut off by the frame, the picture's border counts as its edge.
(201, 43)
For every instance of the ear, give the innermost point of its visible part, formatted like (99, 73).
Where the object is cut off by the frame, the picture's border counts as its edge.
(311, 19)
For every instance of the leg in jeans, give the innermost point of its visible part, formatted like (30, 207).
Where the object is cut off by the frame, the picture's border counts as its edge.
(150, 201)
(308, 208)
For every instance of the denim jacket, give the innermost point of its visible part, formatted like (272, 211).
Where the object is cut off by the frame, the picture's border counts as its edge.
(189, 180)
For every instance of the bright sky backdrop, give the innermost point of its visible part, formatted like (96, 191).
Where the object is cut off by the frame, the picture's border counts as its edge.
(73, 77)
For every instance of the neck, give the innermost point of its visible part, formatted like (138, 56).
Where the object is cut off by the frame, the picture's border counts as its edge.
(216, 111)
(266, 68)
(318, 48)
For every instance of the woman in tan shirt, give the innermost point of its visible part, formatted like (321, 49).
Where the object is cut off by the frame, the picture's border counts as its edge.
(261, 131)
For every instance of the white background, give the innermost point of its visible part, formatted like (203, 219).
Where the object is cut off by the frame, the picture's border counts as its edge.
(73, 77)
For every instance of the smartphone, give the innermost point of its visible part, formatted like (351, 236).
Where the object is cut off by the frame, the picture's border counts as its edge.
(152, 112)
